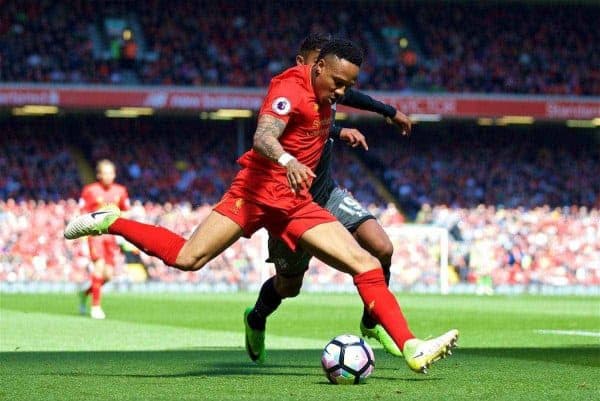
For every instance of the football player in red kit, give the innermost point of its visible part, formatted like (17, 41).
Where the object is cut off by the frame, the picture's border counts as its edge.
(102, 249)
(272, 191)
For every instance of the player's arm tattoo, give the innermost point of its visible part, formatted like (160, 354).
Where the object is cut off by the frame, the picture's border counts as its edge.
(266, 137)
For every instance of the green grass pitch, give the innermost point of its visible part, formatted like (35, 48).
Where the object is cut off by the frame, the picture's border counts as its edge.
(190, 347)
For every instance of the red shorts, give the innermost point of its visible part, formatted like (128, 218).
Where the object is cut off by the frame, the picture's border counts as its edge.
(103, 247)
(286, 223)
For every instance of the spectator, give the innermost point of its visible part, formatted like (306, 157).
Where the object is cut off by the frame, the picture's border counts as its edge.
(490, 48)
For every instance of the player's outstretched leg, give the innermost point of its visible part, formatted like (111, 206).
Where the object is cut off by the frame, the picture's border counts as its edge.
(371, 236)
(215, 234)
(343, 252)
(272, 292)
(154, 240)
(418, 354)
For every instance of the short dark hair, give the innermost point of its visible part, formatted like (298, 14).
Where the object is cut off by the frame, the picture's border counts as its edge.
(314, 42)
(342, 48)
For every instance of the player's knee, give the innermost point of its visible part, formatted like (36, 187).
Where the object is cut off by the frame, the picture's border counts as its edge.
(290, 292)
(383, 250)
(293, 290)
(288, 288)
(190, 262)
(191, 259)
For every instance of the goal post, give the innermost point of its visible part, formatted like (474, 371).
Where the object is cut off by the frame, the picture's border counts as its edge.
(427, 246)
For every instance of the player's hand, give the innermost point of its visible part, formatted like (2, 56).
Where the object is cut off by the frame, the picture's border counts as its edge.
(402, 121)
(353, 137)
(299, 176)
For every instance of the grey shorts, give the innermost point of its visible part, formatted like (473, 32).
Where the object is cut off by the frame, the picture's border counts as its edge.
(344, 207)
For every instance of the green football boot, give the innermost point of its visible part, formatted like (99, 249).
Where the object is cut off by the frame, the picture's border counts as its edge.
(379, 334)
(255, 341)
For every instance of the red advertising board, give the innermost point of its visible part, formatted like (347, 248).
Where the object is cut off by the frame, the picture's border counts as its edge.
(206, 99)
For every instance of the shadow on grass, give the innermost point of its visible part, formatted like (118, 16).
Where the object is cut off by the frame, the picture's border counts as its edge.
(189, 363)
(233, 361)
(227, 362)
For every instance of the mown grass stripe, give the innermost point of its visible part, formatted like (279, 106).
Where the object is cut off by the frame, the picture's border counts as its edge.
(581, 333)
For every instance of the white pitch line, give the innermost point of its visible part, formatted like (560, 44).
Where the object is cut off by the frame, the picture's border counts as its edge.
(571, 333)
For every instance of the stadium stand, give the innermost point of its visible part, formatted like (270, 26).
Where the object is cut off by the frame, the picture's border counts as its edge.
(449, 48)
(530, 247)
(531, 201)
(166, 160)
(177, 169)
(464, 166)
(193, 165)
(518, 246)
(36, 166)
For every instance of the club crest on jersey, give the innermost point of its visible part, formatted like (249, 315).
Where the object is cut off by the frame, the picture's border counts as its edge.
(239, 202)
(281, 106)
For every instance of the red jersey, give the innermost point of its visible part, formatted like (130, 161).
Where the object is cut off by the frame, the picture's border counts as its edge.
(96, 195)
(290, 98)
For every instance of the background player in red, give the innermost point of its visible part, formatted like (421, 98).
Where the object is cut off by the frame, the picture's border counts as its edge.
(102, 249)
(272, 191)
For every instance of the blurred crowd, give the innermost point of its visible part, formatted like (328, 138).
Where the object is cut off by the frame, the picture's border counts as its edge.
(516, 48)
(521, 205)
(34, 166)
(464, 167)
(159, 160)
(516, 246)
(47, 41)
(193, 163)
(455, 47)
(196, 163)
(511, 246)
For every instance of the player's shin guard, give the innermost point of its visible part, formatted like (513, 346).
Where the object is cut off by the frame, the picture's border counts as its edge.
(153, 240)
(367, 319)
(382, 305)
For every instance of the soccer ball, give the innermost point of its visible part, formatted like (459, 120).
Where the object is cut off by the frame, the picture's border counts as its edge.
(347, 359)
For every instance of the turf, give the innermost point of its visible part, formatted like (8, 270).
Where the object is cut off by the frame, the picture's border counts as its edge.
(190, 347)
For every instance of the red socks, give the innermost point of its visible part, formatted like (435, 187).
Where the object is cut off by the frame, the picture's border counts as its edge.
(95, 289)
(382, 305)
(154, 240)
